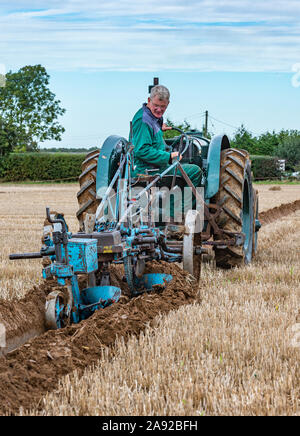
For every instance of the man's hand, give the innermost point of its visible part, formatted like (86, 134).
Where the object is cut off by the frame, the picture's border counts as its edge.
(175, 154)
(165, 127)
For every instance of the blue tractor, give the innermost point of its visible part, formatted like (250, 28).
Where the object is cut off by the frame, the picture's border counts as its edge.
(117, 224)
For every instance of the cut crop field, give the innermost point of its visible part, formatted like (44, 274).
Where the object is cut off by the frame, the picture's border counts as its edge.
(228, 347)
(274, 195)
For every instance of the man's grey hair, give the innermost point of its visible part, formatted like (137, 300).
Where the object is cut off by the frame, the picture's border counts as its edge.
(161, 92)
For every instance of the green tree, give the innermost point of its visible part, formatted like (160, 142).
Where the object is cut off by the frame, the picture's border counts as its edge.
(243, 139)
(185, 126)
(289, 149)
(266, 144)
(284, 134)
(29, 108)
(7, 138)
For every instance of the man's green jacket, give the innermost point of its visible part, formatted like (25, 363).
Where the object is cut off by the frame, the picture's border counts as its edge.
(149, 146)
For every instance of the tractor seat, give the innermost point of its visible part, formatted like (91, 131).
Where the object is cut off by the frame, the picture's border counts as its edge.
(144, 179)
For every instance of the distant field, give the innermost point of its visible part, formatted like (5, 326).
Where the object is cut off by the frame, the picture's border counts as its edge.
(269, 198)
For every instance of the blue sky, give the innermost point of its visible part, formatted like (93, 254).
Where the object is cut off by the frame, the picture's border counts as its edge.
(237, 59)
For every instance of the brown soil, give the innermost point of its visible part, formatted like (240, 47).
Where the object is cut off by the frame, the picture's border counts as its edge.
(20, 315)
(278, 212)
(35, 368)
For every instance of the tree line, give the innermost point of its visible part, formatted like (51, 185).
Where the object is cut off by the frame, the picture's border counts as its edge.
(284, 144)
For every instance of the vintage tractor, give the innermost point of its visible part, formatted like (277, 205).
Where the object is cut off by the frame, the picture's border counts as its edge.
(229, 204)
(123, 220)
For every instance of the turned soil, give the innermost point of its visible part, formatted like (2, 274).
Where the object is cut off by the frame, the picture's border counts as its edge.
(35, 368)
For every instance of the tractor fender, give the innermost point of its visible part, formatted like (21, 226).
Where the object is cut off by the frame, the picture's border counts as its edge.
(218, 143)
(108, 160)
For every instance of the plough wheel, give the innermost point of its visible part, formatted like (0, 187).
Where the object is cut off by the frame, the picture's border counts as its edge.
(235, 196)
(86, 196)
(192, 239)
(55, 311)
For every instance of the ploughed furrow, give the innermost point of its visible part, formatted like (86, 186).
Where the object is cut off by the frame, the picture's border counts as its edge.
(22, 319)
(278, 212)
(35, 367)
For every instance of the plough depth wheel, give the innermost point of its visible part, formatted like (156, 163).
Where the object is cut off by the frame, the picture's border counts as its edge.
(55, 311)
(191, 240)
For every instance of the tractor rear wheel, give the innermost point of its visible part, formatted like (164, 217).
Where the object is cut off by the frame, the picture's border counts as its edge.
(235, 197)
(86, 196)
(255, 217)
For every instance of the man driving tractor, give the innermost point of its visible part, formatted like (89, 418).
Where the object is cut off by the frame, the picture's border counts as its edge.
(147, 137)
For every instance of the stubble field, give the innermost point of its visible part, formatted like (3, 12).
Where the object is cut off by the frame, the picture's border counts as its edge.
(232, 348)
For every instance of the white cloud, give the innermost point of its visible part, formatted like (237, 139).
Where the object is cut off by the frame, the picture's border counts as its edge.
(226, 35)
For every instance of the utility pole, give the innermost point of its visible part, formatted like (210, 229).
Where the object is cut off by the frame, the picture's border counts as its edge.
(206, 124)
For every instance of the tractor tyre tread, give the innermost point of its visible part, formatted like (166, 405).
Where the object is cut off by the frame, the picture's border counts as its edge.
(86, 196)
(234, 164)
